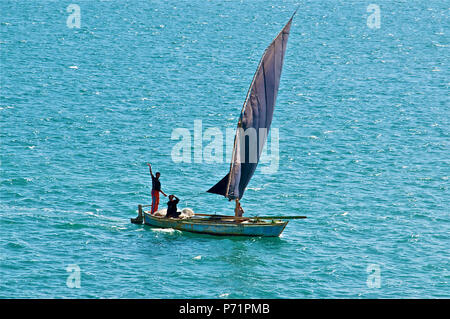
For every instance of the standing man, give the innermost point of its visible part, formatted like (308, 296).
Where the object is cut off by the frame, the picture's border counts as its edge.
(238, 211)
(156, 189)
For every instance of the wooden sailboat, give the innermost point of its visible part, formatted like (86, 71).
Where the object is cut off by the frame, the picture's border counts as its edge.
(256, 115)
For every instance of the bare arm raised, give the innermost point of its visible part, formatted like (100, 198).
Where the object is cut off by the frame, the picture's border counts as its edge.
(150, 167)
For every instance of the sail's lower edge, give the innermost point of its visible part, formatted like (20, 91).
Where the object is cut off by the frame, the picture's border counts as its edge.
(221, 187)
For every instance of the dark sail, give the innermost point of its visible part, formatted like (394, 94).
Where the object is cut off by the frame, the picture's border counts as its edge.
(255, 119)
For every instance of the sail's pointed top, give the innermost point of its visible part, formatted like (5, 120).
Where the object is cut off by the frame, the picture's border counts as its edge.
(255, 119)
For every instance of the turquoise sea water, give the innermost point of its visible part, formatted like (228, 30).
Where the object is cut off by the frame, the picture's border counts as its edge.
(363, 118)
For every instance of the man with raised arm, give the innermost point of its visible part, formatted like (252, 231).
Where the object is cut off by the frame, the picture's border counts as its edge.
(156, 189)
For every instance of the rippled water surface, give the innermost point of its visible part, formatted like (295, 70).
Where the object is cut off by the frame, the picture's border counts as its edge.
(363, 119)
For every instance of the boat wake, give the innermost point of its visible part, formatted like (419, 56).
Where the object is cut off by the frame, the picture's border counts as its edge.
(166, 230)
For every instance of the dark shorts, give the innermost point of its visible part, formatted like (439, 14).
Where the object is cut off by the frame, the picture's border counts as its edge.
(173, 215)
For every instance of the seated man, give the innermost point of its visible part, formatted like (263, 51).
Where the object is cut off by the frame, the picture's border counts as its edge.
(172, 207)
